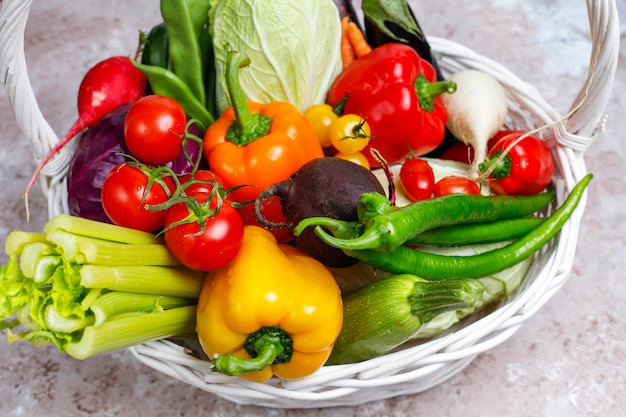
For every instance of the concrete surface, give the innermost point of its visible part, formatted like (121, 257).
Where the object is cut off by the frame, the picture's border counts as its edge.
(566, 361)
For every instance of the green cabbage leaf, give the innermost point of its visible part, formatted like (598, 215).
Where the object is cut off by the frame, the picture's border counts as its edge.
(293, 46)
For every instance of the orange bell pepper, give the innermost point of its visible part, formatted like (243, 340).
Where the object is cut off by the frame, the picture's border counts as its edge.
(272, 311)
(254, 145)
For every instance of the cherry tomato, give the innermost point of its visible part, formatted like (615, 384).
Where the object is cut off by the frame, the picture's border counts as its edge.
(455, 184)
(349, 134)
(122, 197)
(154, 128)
(321, 116)
(417, 179)
(525, 170)
(204, 243)
(357, 157)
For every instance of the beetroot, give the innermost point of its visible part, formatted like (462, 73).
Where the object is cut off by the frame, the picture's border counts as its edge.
(328, 187)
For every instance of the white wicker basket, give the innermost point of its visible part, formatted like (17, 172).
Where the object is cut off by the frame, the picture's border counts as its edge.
(412, 369)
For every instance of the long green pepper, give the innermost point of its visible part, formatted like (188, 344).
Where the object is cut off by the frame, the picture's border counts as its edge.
(388, 227)
(405, 260)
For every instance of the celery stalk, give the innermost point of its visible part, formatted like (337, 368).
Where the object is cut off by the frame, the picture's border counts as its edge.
(90, 298)
(131, 330)
(82, 250)
(147, 279)
(45, 267)
(65, 287)
(31, 255)
(105, 231)
(16, 241)
(56, 322)
(117, 302)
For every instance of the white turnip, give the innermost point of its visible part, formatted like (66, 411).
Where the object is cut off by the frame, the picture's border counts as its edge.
(476, 111)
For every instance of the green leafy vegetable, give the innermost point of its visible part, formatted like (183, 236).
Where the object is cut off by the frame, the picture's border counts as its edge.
(90, 287)
(293, 48)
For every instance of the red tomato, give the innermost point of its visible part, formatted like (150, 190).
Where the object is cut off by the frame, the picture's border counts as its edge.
(417, 179)
(204, 181)
(204, 243)
(461, 152)
(455, 184)
(122, 193)
(527, 169)
(154, 128)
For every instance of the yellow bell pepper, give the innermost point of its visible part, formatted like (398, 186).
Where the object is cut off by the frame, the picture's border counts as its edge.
(271, 311)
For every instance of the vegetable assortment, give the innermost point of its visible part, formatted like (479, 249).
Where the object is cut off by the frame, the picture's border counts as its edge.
(272, 194)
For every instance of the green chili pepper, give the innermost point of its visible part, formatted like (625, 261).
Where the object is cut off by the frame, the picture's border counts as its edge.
(388, 227)
(166, 83)
(184, 47)
(433, 267)
(477, 233)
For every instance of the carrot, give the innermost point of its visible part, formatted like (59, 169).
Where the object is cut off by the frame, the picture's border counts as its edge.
(357, 40)
(347, 52)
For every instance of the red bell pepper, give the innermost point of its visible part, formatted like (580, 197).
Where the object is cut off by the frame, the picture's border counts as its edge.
(526, 169)
(397, 93)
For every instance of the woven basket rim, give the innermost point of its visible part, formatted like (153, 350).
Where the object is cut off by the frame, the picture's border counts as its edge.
(416, 368)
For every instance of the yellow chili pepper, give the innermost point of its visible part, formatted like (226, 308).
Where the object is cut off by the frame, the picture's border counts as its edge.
(272, 311)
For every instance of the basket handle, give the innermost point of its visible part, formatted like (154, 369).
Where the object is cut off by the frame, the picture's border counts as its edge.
(14, 75)
(588, 118)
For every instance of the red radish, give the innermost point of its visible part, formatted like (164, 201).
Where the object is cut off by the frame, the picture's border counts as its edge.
(106, 86)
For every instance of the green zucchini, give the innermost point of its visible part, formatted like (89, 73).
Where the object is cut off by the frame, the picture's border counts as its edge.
(385, 314)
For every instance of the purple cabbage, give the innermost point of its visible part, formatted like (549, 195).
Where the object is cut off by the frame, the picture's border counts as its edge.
(100, 149)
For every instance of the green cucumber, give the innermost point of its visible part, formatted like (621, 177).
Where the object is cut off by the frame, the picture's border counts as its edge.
(155, 50)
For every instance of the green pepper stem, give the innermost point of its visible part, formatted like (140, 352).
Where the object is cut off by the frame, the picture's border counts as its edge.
(246, 127)
(268, 347)
(368, 240)
(427, 91)
(342, 228)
